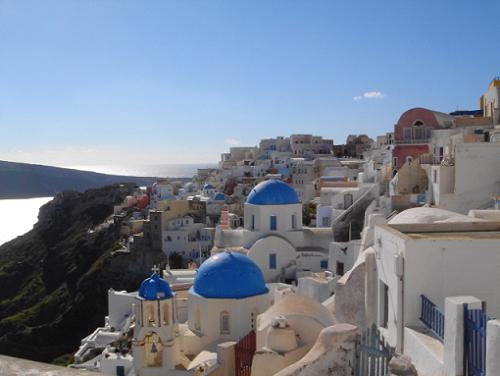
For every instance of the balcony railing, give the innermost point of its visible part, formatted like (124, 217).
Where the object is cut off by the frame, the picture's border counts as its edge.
(430, 159)
(412, 141)
(432, 317)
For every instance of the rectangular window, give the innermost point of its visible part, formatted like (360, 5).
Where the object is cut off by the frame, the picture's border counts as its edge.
(394, 162)
(385, 302)
(253, 222)
(340, 268)
(294, 221)
(272, 261)
(407, 135)
(435, 176)
(420, 133)
(324, 264)
(273, 223)
(120, 370)
(224, 329)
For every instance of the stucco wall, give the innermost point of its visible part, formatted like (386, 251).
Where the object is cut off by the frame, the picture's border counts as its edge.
(411, 178)
(451, 267)
(477, 176)
(332, 354)
(241, 313)
(262, 215)
(386, 247)
(402, 151)
(284, 251)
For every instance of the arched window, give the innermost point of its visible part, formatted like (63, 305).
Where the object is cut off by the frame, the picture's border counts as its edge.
(224, 323)
(150, 315)
(197, 319)
(166, 314)
(153, 350)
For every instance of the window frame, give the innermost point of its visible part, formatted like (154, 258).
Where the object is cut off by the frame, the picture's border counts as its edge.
(273, 261)
(225, 323)
(273, 222)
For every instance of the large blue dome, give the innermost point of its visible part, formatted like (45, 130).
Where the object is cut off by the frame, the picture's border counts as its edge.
(154, 288)
(273, 192)
(229, 275)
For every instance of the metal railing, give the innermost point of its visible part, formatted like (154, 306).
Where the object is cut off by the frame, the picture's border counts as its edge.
(411, 141)
(432, 317)
(475, 325)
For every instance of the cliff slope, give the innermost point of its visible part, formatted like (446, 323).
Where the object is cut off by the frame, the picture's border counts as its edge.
(54, 279)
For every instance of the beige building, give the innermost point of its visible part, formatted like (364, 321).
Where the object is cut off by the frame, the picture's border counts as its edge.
(158, 220)
(306, 144)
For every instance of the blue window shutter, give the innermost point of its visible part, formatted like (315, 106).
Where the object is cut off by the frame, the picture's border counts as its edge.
(272, 261)
(273, 223)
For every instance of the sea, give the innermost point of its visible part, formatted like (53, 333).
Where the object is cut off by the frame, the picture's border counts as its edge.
(17, 216)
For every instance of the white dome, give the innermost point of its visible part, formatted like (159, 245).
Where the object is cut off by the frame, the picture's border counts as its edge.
(430, 215)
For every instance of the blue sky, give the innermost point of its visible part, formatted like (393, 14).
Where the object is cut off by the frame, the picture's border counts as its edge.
(91, 82)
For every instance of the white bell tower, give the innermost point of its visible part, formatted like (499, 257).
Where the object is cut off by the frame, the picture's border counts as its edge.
(154, 345)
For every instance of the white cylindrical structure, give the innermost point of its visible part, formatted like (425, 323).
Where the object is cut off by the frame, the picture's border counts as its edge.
(281, 339)
(493, 348)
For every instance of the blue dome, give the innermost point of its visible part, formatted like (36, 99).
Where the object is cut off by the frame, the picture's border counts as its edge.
(208, 186)
(155, 288)
(273, 192)
(229, 275)
(219, 197)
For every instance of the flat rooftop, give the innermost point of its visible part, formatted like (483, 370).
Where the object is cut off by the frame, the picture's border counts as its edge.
(455, 235)
(446, 230)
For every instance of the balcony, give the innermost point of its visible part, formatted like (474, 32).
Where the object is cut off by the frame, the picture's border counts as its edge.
(413, 141)
(430, 159)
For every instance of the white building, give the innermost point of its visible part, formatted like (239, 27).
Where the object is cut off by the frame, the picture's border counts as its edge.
(185, 237)
(160, 191)
(438, 254)
(154, 345)
(227, 295)
(469, 181)
(273, 235)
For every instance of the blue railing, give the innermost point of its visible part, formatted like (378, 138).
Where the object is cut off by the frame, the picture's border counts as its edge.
(475, 323)
(432, 317)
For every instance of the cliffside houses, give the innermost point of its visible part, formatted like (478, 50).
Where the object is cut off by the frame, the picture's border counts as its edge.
(401, 245)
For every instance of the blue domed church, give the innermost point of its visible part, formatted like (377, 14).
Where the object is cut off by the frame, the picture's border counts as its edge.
(274, 236)
(228, 293)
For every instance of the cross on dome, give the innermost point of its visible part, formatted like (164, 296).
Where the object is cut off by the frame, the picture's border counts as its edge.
(155, 269)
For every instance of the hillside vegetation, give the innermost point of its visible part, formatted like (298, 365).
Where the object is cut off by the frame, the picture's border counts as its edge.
(54, 279)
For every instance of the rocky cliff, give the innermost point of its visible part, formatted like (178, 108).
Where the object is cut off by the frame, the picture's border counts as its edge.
(54, 279)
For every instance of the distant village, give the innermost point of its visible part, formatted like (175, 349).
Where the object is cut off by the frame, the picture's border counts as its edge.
(300, 256)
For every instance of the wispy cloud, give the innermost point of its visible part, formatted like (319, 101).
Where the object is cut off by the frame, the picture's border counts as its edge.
(232, 141)
(369, 95)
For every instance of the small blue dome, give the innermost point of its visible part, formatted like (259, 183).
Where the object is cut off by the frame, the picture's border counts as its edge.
(273, 192)
(154, 288)
(208, 186)
(219, 197)
(229, 275)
